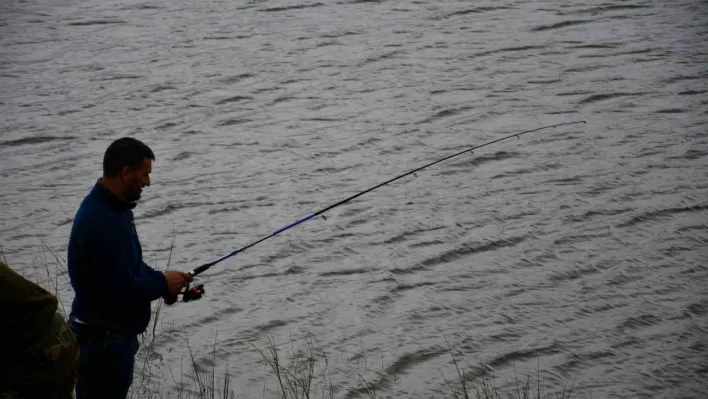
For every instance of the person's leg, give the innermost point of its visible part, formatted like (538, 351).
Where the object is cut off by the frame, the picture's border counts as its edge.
(105, 366)
(106, 369)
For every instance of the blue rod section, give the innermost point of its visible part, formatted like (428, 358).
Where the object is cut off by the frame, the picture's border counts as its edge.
(206, 266)
(291, 225)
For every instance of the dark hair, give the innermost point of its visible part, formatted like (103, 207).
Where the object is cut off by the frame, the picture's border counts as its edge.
(125, 151)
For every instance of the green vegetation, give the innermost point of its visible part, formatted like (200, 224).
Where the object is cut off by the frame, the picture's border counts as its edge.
(303, 373)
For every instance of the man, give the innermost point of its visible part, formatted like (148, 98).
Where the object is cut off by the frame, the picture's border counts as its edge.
(40, 351)
(113, 286)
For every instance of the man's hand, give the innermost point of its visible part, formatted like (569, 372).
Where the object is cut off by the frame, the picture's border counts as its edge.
(176, 281)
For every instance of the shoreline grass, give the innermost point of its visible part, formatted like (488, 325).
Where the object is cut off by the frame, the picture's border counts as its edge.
(303, 373)
(296, 377)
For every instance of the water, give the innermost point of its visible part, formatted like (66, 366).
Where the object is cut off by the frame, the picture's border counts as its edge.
(581, 249)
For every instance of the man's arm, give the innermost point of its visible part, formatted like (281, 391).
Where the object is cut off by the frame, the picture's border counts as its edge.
(112, 270)
(175, 282)
(152, 273)
(147, 270)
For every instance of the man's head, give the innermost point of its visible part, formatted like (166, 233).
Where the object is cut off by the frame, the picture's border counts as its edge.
(127, 165)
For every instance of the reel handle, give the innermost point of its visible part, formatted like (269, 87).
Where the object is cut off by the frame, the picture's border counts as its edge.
(194, 293)
(189, 294)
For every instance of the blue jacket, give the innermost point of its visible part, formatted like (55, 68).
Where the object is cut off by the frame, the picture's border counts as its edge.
(113, 286)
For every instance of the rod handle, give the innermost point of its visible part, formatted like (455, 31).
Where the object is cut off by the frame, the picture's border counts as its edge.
(200, 269)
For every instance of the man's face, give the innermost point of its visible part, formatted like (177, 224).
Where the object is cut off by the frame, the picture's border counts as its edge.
(136, 179)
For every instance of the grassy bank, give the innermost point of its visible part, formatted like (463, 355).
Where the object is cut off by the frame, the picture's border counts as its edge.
(292, 370)
(304, 371)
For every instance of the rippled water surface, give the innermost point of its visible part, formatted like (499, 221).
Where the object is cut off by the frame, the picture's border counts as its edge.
(581, 249)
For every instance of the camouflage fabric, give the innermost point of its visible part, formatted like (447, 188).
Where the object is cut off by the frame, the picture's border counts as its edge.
(46, 372)
(27, 310)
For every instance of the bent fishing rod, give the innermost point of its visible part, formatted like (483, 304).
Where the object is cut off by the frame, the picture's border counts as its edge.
(206, 266)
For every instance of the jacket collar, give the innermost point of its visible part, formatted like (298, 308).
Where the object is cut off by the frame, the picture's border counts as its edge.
(113, 201)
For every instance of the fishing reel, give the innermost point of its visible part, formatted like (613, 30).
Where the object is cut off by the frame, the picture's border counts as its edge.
(194, 293)
(189, 294)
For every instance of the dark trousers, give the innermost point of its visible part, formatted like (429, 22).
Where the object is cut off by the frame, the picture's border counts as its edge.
(106, 361)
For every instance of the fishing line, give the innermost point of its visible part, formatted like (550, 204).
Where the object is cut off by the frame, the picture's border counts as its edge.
(206, 266)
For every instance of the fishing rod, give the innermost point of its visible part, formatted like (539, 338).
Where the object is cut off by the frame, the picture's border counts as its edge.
(206, 266)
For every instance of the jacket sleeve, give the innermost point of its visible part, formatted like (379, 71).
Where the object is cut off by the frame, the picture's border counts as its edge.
(116, 276)
(148, 271)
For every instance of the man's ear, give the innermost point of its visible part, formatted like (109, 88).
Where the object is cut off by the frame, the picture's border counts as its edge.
(126, 174)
